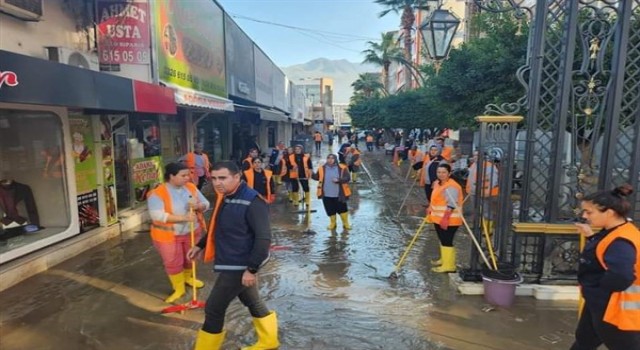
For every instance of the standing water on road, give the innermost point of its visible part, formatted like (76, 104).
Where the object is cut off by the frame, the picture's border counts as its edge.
(330, 289)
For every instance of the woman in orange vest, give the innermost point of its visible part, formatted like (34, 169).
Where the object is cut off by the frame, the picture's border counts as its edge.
(609, 273)
(335, 192)
(169, 206)
(246, 163)
(261, 180)
(300, 169)
(446, 196)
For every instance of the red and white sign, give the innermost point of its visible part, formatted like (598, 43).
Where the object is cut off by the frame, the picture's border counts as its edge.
(8, 77)
(123, 32)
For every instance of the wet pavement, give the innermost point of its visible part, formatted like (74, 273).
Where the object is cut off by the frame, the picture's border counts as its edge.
(330, 290)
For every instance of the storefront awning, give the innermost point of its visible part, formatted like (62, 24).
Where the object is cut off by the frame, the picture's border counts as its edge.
(272, 116)
(192, 98)
(43, 82)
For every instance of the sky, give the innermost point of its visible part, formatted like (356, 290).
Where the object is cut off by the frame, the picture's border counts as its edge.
(354, 21)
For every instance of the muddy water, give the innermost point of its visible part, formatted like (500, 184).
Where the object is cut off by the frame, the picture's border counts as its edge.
(330, 290)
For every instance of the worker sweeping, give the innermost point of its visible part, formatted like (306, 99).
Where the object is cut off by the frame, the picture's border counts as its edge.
(489, 192)
(446, 196)
(333, 188)
(238, 241)
(168, 206)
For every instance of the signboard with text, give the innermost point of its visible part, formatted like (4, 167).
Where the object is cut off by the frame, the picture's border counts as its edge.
(123, 32)
(146, 174)
(83, 150)
(189, 45)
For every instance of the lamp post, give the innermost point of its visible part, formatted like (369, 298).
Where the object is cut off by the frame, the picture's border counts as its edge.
(437, 33)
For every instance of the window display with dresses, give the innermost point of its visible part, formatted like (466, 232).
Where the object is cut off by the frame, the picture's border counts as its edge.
(34, 200)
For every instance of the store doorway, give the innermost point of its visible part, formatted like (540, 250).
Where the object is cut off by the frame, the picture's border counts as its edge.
(121, 161)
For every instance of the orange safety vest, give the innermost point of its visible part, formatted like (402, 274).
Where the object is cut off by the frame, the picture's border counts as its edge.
(439, 200)
(190, 162)
(293, 174)
(447, 152)
(317, 137)
(488, 189)
(345, 187)
(163, 231)
(249, 176)
(249, 161)
(358, 162)
(413, 155)
(210, 247)
(623, 310)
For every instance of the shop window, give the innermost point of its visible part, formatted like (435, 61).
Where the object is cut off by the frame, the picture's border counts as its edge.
(34, 200)
(145, 156)
(271, 136)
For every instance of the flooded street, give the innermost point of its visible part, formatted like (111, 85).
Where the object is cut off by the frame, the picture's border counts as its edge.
(330, 290)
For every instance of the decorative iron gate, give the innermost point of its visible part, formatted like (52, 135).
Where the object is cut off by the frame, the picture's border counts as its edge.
(582, 128)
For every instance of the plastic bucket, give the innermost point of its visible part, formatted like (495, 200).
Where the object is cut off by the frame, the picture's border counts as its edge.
(500, 285)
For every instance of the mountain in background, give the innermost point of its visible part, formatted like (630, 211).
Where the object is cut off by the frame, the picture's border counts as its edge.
(343, 73)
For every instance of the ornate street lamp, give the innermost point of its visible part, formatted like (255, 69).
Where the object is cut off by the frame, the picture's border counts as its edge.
(437, 33)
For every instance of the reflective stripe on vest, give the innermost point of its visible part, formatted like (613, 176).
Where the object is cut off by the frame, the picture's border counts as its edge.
(623, 310)
(163, 231)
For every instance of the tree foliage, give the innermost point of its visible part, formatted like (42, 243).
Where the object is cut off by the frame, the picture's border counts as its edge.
(480, 72)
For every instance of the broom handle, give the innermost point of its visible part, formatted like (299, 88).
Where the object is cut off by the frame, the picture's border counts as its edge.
(405, 198)
(406, 251)
(475, 241)
(193, 262)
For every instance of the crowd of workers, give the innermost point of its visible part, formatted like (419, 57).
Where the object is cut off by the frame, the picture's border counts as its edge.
(238, 236)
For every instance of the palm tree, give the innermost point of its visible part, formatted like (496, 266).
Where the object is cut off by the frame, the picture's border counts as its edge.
(407, 19)
(368, 84)
(383, 54)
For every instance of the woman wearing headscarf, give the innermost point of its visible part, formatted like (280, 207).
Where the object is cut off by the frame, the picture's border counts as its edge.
(333, 188)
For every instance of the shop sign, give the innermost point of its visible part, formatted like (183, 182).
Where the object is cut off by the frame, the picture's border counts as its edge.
(264, 77)
(189, 44)
(123, 32)
(239, 58)
(146, 174)
(88, 210)
(194, 98)
(9, 78)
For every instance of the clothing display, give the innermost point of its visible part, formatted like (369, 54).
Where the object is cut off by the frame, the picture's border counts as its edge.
(13, 193)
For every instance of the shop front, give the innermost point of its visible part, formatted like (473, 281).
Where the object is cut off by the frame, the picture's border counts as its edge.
(59, 148)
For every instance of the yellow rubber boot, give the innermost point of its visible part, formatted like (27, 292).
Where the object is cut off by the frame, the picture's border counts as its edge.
(437, 262)
(209, 341)
(354, 177)
(307, 198)
(448, 261)
(345, 220)
(267, 331)
(332, 223)
(188, 279)
(290, 194)
(278, 179)
(177, 282)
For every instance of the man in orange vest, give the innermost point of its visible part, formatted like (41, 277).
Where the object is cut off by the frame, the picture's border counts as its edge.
(369, 140)
(333, 188)
(415, 156)
(168, 206)
(317, 137)
(261, 180)
(198, 164)
(428, 174)
(445, 151)
(300, 170)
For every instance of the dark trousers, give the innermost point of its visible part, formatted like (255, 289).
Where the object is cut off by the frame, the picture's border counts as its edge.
(369, 146)
(295, 187)
(318, 146)
(228, 286)
(593, 332)
(333, 206)
(446, 236)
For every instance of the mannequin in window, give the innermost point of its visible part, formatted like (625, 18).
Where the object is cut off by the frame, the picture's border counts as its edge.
(13, 193)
